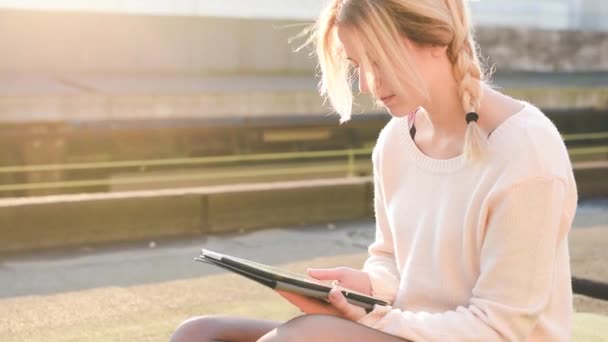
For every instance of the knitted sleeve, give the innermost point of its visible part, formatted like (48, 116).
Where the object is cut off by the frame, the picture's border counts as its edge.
(380, 265)
(523, 247)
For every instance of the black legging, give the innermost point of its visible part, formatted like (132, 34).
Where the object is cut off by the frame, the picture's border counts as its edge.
(590, 288)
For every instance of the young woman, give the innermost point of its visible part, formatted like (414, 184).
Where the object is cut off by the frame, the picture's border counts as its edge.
(474, 192)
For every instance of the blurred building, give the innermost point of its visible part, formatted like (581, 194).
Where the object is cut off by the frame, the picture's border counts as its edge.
(547, 14)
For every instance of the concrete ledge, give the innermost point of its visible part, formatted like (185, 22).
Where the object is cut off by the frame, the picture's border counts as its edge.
(64, 223)
(67, 220)
(289, 206)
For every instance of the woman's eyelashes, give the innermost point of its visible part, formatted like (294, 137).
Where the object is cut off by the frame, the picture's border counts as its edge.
(353, 64)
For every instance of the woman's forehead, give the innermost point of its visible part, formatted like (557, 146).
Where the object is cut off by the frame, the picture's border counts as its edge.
(348, 42)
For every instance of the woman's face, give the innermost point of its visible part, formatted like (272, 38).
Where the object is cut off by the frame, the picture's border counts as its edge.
(397, 104)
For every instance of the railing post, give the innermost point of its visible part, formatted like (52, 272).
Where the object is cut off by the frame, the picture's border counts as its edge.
(351, 163)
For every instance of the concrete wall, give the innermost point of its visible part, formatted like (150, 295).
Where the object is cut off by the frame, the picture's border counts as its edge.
(59, 221)
(69, 220)
(47, 42)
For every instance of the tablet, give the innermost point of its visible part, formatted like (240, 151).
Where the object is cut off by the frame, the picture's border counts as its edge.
(282, 280)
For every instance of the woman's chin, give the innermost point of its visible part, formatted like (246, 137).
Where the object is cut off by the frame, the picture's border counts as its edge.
(396, 110)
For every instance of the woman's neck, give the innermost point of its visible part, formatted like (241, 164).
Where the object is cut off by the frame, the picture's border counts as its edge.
(446, 114)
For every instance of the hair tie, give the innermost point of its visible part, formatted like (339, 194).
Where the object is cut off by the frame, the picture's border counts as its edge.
(472, 116)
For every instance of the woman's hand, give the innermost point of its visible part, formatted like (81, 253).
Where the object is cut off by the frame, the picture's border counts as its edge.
(337, 306)
(310, 305)
(343, 277)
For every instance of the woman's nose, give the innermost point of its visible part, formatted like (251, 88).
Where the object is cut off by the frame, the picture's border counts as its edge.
(363, 86)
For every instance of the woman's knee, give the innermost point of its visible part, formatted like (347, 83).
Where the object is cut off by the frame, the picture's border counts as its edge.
(200, 328)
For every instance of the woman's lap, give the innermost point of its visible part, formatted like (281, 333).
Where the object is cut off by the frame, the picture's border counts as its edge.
(321, 328)
(305, 328)
(222, 328)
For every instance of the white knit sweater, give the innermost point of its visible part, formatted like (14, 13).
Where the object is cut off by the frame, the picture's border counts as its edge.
(469, 251)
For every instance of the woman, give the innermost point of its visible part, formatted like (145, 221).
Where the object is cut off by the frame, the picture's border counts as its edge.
(474, 192)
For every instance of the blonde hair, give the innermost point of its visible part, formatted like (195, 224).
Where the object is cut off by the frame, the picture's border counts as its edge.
(380, 25)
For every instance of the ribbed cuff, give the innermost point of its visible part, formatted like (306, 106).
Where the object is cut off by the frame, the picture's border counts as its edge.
(383, 277)
(371, 319)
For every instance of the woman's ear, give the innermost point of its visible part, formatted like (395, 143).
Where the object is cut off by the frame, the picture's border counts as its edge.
(408, 43)
(438, 50)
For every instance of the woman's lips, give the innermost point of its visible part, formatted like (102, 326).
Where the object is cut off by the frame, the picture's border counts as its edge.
(386, 98)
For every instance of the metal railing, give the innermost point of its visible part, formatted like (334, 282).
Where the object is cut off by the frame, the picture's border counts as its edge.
(349, 168)
(585, 136)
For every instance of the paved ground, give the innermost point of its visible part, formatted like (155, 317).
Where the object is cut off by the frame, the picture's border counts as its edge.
(139, 263)
(139, 292)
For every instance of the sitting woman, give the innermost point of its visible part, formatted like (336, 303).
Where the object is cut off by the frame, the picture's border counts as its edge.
(474, 192)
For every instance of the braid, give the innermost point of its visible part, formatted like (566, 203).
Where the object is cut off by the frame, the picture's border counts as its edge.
(380, 25)
(467, 70)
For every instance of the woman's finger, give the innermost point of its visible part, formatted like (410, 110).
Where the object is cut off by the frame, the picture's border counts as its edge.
(349, 311)
(310, 305)
(325, 273)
